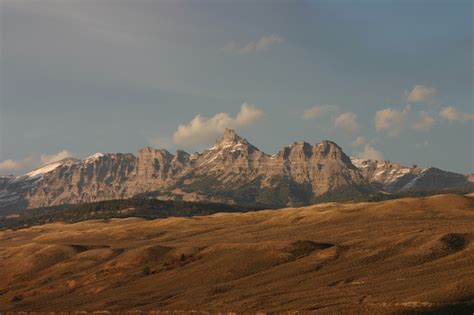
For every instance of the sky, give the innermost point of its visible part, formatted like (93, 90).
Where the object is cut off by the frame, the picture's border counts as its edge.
(383, 79)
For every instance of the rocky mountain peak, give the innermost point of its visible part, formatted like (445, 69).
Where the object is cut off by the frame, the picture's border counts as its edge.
(94, 157)
(389, 175)
(147, 149)
(231, 142)
(330, 149)
(180, 154)
(230, 135)
(182, 157)
(301, 148)
(148, 153)
(233, 171)
(327, 146)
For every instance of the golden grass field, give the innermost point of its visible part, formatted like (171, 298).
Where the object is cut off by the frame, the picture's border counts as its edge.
(394, 257)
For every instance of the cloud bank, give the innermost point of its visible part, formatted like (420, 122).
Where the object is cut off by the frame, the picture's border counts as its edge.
(347, 121)
(453, 115)
(425, 123)
(390, 120)
(14, 165)
(201, 130)
(420, 94)
(51, 158)
(359, 141)
(370, 153)
(32, 162)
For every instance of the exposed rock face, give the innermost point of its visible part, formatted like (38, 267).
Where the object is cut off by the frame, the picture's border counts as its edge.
(387, 175)
(393, 177)
(232, 171)
(324, 166)
(298, 174)
(98, 178)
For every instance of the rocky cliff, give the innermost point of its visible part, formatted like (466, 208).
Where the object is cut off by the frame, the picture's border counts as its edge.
(231, 171)
(393, 177)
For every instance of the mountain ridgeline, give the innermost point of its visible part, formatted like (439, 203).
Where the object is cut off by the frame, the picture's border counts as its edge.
(233, 171)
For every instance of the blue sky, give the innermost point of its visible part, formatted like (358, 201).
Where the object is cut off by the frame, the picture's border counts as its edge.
(383, 79)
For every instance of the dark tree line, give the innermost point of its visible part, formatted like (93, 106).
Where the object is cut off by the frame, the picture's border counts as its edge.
(147, 207)
(143, 207)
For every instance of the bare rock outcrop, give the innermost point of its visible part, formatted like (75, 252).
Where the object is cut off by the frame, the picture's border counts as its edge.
(231, 171)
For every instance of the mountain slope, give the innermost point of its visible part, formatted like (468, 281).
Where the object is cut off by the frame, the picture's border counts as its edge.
(355, 258)
(394, 177)
(231, 171)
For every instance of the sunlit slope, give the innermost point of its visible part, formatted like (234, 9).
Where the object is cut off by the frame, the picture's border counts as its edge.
(380, 258)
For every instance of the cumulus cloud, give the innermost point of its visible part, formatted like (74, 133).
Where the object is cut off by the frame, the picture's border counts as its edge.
(51, 158)
(452, 115)
(247, 115)
(420, 94)
(262, 44)
(319, 111)
(390, 120)
(347, 121)
(202, 130)
(370, 153)
(359, 141)
(32, 162)
(425, 123)
(14, 165)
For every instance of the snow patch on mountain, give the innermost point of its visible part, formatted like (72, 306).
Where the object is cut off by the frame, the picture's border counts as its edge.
(43, 170)
(384, 172)
(93, 157)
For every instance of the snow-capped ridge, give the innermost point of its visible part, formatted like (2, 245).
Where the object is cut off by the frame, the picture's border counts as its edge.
(233, 171)
(385, 172)
(49, 167)
(94, 157)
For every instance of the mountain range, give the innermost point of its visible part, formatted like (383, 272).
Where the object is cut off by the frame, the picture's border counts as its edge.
(232, 171)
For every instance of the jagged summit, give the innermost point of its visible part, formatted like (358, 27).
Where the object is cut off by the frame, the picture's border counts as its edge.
(229, 138)
(386, 174)
(230, 143)
(231, 171)
(94, 157)
(231, 135)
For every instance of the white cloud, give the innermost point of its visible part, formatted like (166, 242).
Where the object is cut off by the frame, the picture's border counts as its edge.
(32, 162)
(201, 130)
(348, 122)
(390, 120)
(13, 165)
(51, 158)
(370, 153)
(420, 94)
(359, 141)
(452, 114)
(319, 111)
(425, 123)
(262, 44)
(247, 115)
